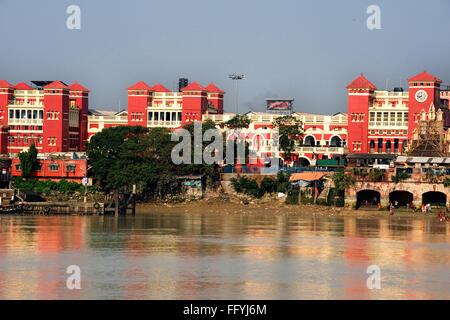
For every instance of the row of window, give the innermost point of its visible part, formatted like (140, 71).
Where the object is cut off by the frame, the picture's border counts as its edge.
(357, 117)
(388, 116)
(52, 141)
(389, 132)
(38, 128)
(164, 116)
(25, 114)
(25, 139)
(357, 145)
(54, 167)
(53, 115)
(137, 116)
(389, 144)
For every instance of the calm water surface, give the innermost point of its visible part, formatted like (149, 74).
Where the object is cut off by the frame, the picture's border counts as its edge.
(178, 256)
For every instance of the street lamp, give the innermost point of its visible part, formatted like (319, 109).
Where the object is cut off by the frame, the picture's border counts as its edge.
(235, 77)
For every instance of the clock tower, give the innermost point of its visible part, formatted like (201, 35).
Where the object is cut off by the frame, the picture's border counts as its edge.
(424, 90)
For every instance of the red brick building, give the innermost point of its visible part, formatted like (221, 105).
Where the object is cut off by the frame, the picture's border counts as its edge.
(157, 106)
(55, 169)
(51, 114)
(381, 121)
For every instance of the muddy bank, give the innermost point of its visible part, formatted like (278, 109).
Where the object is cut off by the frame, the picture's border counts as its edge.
(276, 207)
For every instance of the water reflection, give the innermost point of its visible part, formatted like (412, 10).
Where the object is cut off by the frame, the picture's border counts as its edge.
(195, 256)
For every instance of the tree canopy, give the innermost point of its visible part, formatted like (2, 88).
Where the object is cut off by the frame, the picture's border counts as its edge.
(238, 122)
(28, 160)
(290, 131)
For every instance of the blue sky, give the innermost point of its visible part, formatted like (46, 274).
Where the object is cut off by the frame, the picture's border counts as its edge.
(308, 50)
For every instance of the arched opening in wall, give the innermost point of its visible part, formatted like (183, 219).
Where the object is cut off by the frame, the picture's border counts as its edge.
(301, 162)
(367, 198)
(388, 146)
(372, 146)
(400, 198)
(435, 198)
(309, 141)
(336, 141)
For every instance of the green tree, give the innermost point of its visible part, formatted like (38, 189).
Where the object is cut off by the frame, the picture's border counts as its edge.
(342, 180)
(290, 131)
(238, 122)
(210, 172)
(116, 156)
(28, 160)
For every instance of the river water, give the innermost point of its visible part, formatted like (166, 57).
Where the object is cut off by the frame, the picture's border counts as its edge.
(195, 256)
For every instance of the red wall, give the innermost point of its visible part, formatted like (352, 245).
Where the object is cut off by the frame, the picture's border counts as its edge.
(415, 107)
(138, 103)
(46, 174)
(56, 102)
(357, 131)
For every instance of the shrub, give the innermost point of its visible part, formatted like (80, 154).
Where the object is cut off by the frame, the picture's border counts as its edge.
(268, 185)
(446, 182)
(376, 175)
(292, 197)
(400, 177)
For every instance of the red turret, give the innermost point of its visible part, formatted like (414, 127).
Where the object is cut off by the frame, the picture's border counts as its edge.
(215, 96)
(139, 99)
(6, 95)
(359, 99)
(79, 97)
(424, 90)
(195, 102)
(56, 117)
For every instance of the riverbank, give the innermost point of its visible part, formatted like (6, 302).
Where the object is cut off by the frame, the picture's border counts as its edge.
(275, 207)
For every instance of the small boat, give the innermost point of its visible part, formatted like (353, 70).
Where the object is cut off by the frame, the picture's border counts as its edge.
(11, 209)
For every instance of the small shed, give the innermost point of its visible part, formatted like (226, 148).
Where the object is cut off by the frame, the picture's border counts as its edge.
(192, 185)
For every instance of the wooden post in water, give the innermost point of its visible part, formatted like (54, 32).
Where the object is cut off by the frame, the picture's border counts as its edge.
(133, 203)
(116, 203)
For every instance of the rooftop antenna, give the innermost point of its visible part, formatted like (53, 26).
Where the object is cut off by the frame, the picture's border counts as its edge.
(119, 106)
(387, 84)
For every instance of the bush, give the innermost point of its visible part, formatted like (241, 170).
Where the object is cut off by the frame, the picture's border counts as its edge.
(400, 177)
(46, 186)
(292, 197)
(268, 185)
(282, 181)
(376, 175)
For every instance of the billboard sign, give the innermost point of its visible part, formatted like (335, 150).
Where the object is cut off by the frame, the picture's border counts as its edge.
(279, 104)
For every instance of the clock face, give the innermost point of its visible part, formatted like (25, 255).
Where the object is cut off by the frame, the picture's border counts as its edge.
(421, 95)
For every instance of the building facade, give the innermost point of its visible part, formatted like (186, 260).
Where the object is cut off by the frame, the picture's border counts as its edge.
(51, 115)
(383, 121)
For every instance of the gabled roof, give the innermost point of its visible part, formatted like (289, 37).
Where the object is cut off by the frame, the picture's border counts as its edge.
(5, 84)
(141, 85)
(361, 83)
(425, 76)
(160, 88)
(212, 88)
(22, 86)
(56, 85)
(194, 86)
(78, 87)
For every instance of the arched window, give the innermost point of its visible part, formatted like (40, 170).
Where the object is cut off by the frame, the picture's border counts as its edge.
(11, 139)
(388, 146)
(39, 139)
(372, 144)
(310, 141)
